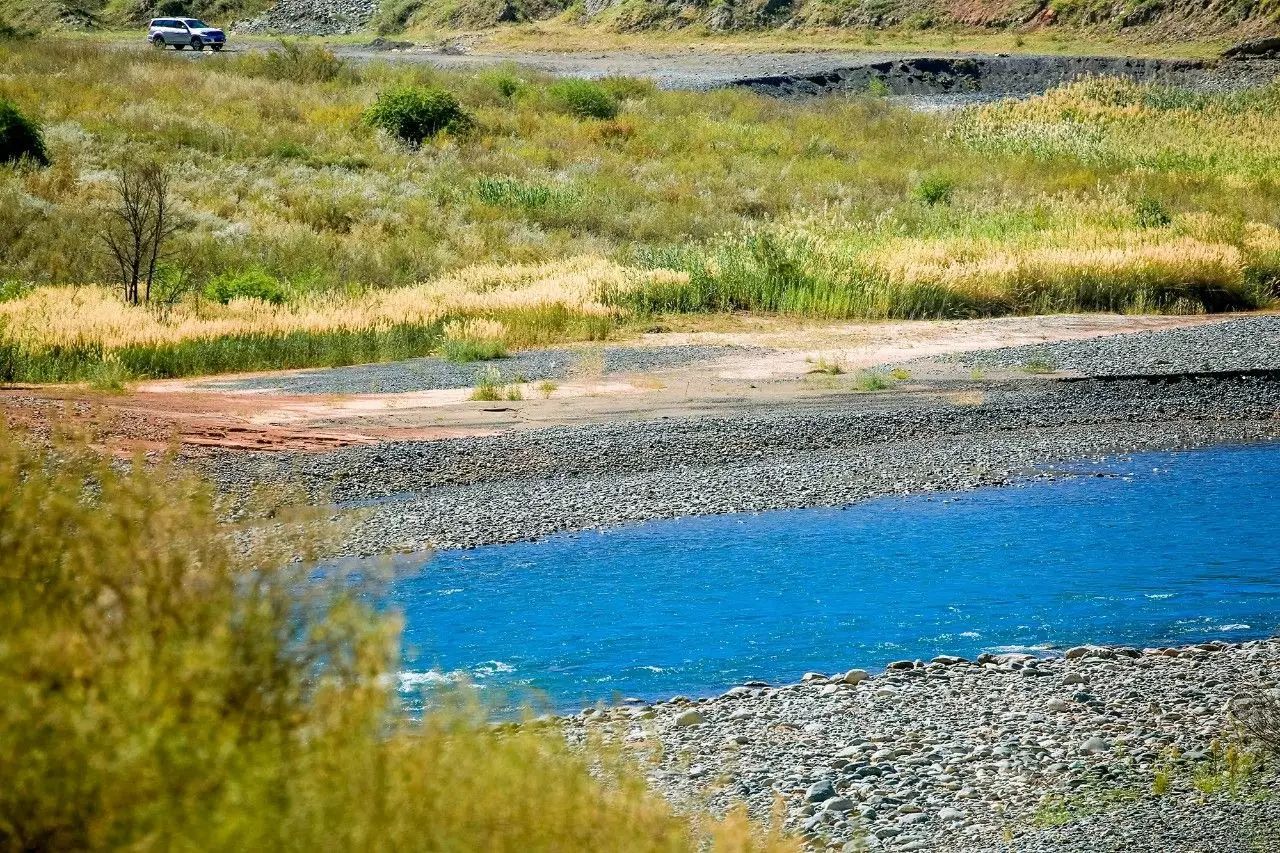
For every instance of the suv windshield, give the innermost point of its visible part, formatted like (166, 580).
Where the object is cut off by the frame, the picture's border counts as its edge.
(196, 24)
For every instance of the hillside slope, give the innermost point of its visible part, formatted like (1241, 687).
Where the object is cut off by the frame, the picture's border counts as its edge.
(44, 15)
(1155, 20)
(1183, 19)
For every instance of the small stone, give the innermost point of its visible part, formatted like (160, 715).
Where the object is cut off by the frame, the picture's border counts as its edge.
(949, 660)
(820, 792)
(838, 804)
(1095, 746)
(856, 676)
(690, 718)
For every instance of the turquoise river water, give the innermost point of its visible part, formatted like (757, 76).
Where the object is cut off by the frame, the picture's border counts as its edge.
(1149, 549)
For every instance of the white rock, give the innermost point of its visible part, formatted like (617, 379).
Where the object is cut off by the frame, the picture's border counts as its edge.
(1095, 745)
(690, 718)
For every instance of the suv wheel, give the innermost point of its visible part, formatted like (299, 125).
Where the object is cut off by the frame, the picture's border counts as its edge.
(197, 44)
(158, 42)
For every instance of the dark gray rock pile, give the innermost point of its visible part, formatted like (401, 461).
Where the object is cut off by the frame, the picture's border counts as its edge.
(312, 17)
(527, 484)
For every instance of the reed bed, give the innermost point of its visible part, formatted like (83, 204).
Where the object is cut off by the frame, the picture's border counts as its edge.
(66, 333)
(808, 272)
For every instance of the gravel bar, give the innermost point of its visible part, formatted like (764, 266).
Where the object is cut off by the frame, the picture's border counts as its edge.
(433, 374)
(527, 484)
(1011, 752)
(1249, 343)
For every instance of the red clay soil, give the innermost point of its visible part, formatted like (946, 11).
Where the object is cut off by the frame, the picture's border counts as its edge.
(144, 422)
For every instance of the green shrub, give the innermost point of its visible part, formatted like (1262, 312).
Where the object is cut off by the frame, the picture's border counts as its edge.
(1038, 364)
(9, 32)
(504, 82)
(300, 63)
(1150, 212)
(14, 289)
(583, 99)
(487, 389)
(628, 88)
(934, 189)
(250, 284)
(503, 191)
(394, 15)
(171, 679)
(872, 381)
(417, 113)
(20, 137)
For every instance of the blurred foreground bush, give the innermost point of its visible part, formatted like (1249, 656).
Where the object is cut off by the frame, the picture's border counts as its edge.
(166, 690)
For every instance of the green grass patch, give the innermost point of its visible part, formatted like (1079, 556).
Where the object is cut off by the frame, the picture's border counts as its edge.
(472, 349)
(231, 354)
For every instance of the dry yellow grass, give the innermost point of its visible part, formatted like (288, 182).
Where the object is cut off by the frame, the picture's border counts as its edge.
(75, 317)
(993, 268)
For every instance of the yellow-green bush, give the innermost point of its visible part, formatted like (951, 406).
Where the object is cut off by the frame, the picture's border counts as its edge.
(163, 689)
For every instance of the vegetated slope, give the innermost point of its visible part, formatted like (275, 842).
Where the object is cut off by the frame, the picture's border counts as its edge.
(45, 15)
(1182, 19)
(1179, 19)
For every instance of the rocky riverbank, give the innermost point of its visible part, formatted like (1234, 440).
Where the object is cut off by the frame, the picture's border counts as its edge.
(1097, 749)
(412, 496)
(1155, 390)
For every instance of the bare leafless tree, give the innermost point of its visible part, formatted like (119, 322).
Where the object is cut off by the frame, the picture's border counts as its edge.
(138, 225)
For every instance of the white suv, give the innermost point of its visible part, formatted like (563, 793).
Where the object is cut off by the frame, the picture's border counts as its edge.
(184, 32)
